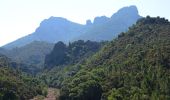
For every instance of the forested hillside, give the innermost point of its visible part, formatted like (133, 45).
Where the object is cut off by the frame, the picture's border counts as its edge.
(63, 61)
(84, 50)
(73, 53)
(15, 85)
(135, 66)
(31, 57)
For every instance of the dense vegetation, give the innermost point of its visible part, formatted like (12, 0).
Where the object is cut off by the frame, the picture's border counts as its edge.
(73, 53)
(15, 85)
(31, 56)
(64, 58)
(135, 66)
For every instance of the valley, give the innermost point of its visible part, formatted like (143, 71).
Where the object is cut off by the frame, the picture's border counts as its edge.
(123, 57)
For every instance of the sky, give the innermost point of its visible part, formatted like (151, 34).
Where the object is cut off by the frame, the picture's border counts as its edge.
(19, 18)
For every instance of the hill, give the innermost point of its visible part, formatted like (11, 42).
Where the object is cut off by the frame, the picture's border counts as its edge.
(57, 29)
(131, 67)
(65, 56)
(15, 85)
(31, 56)
(73, 53)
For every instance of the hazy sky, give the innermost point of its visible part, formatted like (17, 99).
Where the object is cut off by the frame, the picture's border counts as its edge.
(21, 17)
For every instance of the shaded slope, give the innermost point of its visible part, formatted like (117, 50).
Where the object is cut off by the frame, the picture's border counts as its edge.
(31, 56)
(135, 66)
(63, 58)
(73, 53)
(15, 85)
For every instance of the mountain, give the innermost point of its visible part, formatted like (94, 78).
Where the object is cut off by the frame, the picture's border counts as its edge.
(57, 29)
(134, 66)
(50, 30)
(31, 56)
(3, 51)
(73, 53)
(104, 28)
(65, 56)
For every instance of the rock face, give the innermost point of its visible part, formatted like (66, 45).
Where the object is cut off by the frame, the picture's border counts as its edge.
(126, 12)
(50, 30)
(105, 28)
(57, 29)
(101, 20)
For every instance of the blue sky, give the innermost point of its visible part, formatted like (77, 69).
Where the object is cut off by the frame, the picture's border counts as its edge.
(21, 17)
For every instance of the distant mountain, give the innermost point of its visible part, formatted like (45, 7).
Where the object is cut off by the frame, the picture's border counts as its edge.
(50, 30)
(3, 51)
(104, 28)
(31, 56)
(57, 29)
